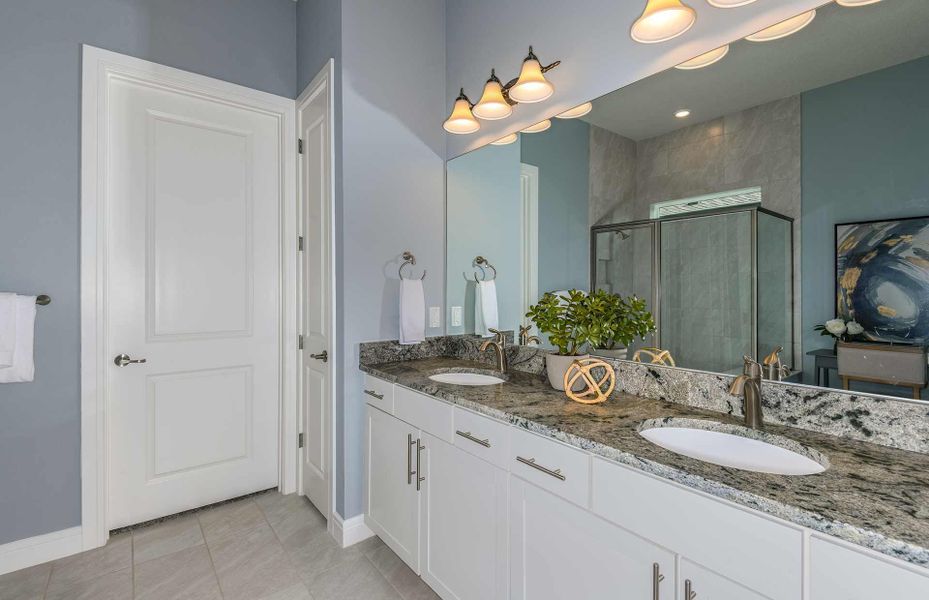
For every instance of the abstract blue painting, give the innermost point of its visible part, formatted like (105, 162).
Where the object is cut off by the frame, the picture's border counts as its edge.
(882, 278)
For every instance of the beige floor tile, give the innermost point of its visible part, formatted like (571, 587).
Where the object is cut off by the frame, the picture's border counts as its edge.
(184, 575)
(287, 514)
(115, 556)
(400, 576)
(356, 578)
(25, 584)
(313, 551)
(252, 565)
(112, 586)
(165, 538)
(234, 518)
(297, 592)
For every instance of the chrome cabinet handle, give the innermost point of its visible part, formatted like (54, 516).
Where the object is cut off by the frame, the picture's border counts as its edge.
(122, 360)
(323, 356)
(419, 449)
(689, 593)
(409, 459)
(531, 462)
(657, 578)
(374, 394)
(467, 435)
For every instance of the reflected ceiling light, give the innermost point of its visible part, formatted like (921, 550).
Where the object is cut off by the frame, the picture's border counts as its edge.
(682, 113)
(540, 126)
(704, 60)
(507, 139)
(662, 20)
(784, 28)
(531, 86)
(856, 2)
(461, 121)
(728, 3)
(577, 111)
(492, 105)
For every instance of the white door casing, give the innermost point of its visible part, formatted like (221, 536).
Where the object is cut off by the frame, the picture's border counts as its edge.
(529, 237)
(187, 261)
(314, 116)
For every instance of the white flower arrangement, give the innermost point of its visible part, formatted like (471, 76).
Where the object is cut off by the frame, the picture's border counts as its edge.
(840, 329)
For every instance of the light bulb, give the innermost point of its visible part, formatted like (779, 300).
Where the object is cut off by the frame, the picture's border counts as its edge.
(704, 60)
(540, 126)
(663, 20)
(682, 113)
(784, 28)
(461, 121)
(492, 105)
(531, 85)
(507, 139)
(852, 3)
(577, 111)
(728, 3)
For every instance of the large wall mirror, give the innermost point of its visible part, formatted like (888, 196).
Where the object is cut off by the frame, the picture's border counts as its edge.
(750, 203)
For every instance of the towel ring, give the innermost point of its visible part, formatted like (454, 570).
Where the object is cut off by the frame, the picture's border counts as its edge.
(409, 259)
(479, 262)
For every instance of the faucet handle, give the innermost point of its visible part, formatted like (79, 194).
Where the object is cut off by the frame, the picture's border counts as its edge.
(499, 336)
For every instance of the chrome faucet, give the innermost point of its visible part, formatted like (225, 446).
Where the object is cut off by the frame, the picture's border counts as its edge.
(499, 346)
(748, 385)
(774, 369)
(525, 339)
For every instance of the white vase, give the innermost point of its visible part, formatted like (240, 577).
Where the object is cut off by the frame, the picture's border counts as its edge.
(557, 365)
(618, 352)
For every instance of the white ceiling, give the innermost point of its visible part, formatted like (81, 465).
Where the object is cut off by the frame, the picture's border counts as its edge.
(839, 44)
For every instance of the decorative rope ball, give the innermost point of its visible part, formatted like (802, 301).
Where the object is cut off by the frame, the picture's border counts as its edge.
(594, 391)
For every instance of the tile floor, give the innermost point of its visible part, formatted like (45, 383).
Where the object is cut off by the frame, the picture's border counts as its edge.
(267, 547)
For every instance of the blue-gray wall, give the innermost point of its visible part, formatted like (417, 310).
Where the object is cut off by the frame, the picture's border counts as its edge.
(865, 156)
(249, 42)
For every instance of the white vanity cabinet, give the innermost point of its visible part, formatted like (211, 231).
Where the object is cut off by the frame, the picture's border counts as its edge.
(841, 573)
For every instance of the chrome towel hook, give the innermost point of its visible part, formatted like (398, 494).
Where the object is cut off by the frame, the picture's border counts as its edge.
(480, 262)
(409, 259)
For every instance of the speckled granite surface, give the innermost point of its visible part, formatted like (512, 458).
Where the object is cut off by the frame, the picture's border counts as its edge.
(874, 496)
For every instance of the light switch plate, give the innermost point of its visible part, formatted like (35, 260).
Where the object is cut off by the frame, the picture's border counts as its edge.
(456, 316)
(435, 316)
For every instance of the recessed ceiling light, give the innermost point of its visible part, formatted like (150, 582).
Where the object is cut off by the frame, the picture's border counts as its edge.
(784, 28)
(507, 139)
(540, 126)
(728, 3)
(682, 113)
(856, 2)
(662, 20)
(704, 60)
(577, 111)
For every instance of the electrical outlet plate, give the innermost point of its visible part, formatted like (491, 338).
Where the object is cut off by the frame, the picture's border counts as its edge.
(435, 316)
(456, 316)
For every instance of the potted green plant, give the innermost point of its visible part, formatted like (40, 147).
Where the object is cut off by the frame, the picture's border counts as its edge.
(565, 319)
(616, 322)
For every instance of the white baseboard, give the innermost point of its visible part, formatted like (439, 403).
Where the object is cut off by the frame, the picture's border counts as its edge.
(39, 549)
(348, 532)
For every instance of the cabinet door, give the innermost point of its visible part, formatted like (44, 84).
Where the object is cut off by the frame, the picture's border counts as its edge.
(703, 583)
(463, 532)
(839, 573)
(392, 503)
(558, 551)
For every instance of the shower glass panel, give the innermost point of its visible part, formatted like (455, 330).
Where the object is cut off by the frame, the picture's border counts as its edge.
(706, 290)
(775, 286)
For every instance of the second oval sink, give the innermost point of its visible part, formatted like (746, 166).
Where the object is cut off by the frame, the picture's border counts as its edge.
(466, 378)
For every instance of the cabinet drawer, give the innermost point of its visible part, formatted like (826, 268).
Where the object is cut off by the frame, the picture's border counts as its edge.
(746, 548)
(482, 437)
(840, 573)
(550, 465)
(429, 414)
(379, 393)
(707, 584)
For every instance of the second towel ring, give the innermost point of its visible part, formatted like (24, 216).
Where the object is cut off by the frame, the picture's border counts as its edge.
(480, 262)
(409, 259)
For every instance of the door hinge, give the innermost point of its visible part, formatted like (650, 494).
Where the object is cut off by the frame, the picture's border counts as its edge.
(299, 440)
(299, 342)
(300, 243)
(299, 146)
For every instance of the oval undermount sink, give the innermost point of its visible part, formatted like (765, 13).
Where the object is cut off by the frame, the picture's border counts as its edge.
(466, 378)
(734, 446)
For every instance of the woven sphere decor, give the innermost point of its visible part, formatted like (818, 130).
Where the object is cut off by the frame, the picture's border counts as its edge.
(594, 392)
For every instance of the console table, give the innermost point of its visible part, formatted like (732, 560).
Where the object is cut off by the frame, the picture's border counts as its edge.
(823, 360)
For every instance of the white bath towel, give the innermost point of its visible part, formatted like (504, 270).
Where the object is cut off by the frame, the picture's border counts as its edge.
(23, 367)
(7, 328)
(486, 315)
(412, 311)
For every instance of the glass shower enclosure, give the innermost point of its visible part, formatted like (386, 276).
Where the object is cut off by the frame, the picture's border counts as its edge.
(719, 282)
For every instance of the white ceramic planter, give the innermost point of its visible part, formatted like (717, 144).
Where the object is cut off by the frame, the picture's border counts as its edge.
(557, 365)
(620, 353)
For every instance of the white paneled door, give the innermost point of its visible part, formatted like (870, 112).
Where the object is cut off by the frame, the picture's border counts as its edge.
(193, 198)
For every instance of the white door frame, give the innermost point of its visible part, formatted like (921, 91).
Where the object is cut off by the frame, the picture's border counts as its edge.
(98, 67)
(529, 237)
(322, 83)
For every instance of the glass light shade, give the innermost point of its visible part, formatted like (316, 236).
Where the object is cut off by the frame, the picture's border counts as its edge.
(461, 121)
(682, 113)
(728, 3)
(663, 20)
(784, 28)
(704, 60)
(531, 85)
(492, 105)
(577, 111)
(507, 139)
(540, 126)
(856, 2)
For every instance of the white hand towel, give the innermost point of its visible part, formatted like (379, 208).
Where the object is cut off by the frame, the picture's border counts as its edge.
(23, 367)
(412, 311)
(486, 316)
(7, 328)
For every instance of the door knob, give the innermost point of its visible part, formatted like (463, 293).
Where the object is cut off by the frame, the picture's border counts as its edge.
(323, 356)
(122, 360)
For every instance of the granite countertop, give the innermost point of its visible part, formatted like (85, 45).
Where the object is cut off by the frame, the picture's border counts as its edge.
(871, 495)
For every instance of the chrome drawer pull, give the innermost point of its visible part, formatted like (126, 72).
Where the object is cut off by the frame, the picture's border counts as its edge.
(689, 593)
(531, 462)
(374, 394)
(657, 578)
(419, 449)
(467, 435)
(409, 459)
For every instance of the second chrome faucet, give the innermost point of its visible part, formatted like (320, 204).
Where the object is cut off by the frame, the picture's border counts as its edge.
(498, 343)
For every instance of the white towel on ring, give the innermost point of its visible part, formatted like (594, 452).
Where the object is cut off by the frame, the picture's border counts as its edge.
(23, 367)
(486, 313)
(412, 311)
(7, 328)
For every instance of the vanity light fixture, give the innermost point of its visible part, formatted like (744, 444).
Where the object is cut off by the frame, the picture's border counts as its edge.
(538, 127)
(461, 120)
(662, 20)
(728, 3)
(704, 60)
(531, 85)
(577, 111)
(492, 105)
(505, 140)
(852, 3)
(682, 113)
(784, 28)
